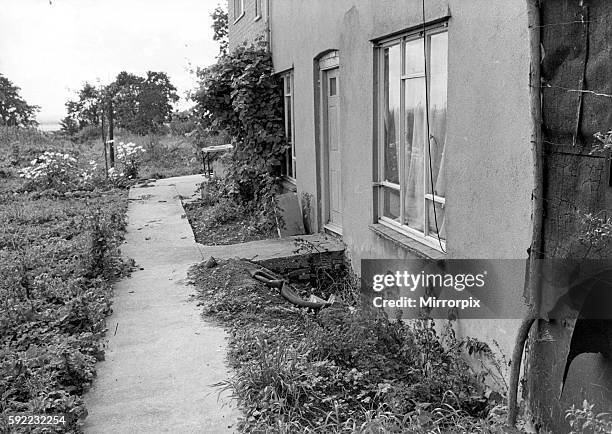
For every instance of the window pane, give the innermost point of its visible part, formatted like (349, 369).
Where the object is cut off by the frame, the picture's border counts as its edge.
(287, 85)
(289, 162)
(437, 111)
(414, 60)
(391, 115)
(439, 216)
(288, 167)
(288, 119)
(391, 203)
(332, 86)
(415, 133)
(439, 53)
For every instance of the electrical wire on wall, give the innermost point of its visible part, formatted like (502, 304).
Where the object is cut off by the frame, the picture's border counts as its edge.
(429, 137)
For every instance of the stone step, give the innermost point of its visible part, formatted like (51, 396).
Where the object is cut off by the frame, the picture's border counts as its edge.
(284, 255)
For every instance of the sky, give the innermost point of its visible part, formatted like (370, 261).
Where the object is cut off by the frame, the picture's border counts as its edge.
(50, 48)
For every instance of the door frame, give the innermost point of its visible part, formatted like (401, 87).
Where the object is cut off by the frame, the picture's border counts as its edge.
(328, 61)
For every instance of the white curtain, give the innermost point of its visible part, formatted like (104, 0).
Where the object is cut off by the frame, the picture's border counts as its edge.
(417, 167)
(437, 145)
(414, 164)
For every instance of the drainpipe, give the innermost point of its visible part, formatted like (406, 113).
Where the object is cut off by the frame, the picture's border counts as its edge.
(532, 277)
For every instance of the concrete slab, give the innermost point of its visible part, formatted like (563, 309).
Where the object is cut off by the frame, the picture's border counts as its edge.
(162, 357)
(292, 215)
(186, 186)
(277, 248)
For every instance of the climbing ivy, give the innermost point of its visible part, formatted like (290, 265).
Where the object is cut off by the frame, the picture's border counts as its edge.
(241, 96)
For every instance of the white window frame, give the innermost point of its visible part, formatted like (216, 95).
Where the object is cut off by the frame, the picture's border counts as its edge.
(258, 11)
(237, 15)
(423, 237)
(290, 162)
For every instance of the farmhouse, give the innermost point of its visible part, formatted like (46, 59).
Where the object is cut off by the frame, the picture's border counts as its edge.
(367, 82)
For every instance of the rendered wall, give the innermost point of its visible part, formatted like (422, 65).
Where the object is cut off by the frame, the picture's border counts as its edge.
(489, 149)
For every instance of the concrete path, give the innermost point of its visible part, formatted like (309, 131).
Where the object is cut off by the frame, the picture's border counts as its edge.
(162, 358)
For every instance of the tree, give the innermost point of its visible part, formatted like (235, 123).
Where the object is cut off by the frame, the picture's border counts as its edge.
(155, 101)
(14, 110)
(83, 112)
(124, 93)
(220, 28)
(142, 105)
(69, 125)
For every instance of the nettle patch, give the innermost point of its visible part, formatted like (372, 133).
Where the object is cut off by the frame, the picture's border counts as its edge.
(58, 259)
(63, 223)
(345, 369)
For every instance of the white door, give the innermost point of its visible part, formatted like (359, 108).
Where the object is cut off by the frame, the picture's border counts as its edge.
(333, 153)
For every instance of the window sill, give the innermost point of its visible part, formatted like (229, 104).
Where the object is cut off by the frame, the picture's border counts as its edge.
(289, 184)
(239, 18)
(333, 230)
(406, 242)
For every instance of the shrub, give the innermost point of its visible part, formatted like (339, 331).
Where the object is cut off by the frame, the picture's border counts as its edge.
(252, 116)
(214, 189)
(51, 170)
(225, 211)
(129, 155)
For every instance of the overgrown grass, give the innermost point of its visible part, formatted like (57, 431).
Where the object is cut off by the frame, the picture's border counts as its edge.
(59, 254)
(345, 369)
(166, 156)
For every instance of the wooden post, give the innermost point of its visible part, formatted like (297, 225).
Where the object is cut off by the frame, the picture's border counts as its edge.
(575, 181)
(111, 134)
(104, 143)
(531, 289)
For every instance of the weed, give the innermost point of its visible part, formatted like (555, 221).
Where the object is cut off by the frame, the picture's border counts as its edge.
(347, 369)
(219, 217)
(59, 254)
(585, 420)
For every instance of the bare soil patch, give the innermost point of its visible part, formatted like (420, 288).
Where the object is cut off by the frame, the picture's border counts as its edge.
(223, 224)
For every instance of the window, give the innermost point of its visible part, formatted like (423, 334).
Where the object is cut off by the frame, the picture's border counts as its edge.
(332, 86)
(411, 180)
(238, 9)
(288, 168)
(257, 9)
